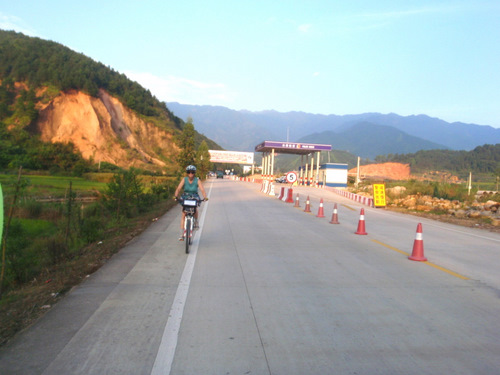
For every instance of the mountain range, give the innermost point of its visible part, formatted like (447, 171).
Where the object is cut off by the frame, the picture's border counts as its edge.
(366, 135)
(60, 96)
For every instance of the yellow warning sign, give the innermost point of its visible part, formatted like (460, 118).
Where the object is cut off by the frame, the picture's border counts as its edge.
(379, 195)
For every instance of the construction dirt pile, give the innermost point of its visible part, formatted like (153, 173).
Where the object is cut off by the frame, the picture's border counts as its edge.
(391, 171)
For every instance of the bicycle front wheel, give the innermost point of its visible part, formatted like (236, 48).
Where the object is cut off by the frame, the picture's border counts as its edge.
(191, 232)
(188, 234)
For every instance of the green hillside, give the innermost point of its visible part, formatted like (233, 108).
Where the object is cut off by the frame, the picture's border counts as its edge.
(38, 63)
(483, 159)
(28, 64)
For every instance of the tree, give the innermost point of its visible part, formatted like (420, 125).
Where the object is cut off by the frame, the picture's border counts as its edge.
(187, 156)
(124, 192)
(37, 62)
(203, 160)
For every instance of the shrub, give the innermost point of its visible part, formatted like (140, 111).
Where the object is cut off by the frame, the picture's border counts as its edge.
(26, 250)
(18, 259)
(94, 209)
(163, 190)
(55, 247)
(146, 202)
(489, 197)
(93, 222)
(450, 191)
(32, 208)
(419, 187)
(91, 228)
(123, 193)
(434, 189)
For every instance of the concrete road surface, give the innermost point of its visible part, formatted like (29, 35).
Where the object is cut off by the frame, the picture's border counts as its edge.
(270, 289)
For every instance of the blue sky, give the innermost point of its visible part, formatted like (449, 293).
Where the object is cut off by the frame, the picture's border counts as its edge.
(436, 57)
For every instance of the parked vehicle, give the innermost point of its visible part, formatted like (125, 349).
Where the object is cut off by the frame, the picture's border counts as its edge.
(281, 179)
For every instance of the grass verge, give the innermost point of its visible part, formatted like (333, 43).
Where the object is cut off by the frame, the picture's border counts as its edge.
(20, 308)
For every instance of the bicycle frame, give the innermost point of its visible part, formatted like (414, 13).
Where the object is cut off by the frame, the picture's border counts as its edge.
(189, 204)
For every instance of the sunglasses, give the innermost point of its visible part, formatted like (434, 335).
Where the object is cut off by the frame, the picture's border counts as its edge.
(190, 172)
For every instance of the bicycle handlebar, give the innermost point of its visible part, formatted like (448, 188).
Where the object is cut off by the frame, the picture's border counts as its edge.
(180, 199)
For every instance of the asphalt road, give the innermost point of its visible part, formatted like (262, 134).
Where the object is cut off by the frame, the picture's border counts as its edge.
(270, 289)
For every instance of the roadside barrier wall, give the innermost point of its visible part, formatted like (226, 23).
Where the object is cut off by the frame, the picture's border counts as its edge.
(368, 201)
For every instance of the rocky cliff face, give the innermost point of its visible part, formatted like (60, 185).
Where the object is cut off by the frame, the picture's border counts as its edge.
(104, 129)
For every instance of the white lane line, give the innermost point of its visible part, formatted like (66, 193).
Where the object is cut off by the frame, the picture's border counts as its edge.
(166, 351)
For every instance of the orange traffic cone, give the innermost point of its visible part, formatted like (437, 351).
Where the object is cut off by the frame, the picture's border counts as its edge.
(321, 210)
(418, 246)
(297, 202)
(308, 205)
(335, 218)
(361, 224)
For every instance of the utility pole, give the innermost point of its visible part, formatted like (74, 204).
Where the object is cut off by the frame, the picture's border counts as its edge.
(469, 183)
(357, 174)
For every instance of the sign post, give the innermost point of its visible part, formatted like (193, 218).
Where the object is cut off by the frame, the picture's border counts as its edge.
(379, 195)
(291, 177)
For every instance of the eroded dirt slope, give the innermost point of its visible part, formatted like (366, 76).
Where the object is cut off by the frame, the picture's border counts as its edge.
(104, 129)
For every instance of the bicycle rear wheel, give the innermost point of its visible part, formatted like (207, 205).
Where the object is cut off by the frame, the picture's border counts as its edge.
(187, 239)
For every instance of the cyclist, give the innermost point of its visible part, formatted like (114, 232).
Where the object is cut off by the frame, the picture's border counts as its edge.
(190, 184)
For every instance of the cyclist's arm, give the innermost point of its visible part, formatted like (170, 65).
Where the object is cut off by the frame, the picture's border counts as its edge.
(200, 186)
(178, 190)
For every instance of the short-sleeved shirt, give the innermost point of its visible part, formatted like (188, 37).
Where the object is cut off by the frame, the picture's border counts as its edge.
(191, 188)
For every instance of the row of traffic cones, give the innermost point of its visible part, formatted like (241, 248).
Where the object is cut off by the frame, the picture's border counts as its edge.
(418, 244)
(321, 210)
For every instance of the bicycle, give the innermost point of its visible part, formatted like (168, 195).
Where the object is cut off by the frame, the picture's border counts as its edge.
(189, 204)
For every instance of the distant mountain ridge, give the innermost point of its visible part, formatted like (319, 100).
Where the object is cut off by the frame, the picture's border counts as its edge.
(242, 130)
(376, 140)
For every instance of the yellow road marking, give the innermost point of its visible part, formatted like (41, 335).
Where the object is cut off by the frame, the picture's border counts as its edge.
(346, 206)
(390, 247)
(449, 272)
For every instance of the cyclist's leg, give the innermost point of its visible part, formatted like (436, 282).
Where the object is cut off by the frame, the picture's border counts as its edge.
(192, 226)
(188, 234)
(196, 219)
(183, 219)
(196, 215)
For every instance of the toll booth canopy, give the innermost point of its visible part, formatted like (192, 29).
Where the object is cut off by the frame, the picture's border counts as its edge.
(269, 148)
(291, 147)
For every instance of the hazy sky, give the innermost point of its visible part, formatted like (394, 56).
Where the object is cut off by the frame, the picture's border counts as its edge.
(434, 57)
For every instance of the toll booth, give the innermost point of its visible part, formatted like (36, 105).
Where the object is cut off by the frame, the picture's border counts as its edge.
(333, 175)
(310, 159)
